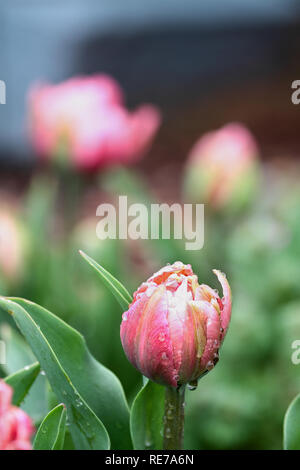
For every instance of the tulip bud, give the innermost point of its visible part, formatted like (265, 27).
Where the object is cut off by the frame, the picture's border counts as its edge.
(83, 123)
(174, 327)
(16, 427)
(222, 168)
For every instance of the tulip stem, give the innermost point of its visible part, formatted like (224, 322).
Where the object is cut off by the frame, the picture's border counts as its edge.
(174, 418)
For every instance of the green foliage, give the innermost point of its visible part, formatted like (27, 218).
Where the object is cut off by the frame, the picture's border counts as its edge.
(51, 433)
(146, 420)
(115, 286)
(19, 356)
(21, 382)
(239, 405)
(77, 379)
(291, 427)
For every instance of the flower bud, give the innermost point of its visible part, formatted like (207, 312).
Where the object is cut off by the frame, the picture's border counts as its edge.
(16, 427)
(83, 123)
(222, 168)
(174, 327)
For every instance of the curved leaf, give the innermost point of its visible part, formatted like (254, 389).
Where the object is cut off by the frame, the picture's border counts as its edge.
(75, 376)
(51, 433)
(18, 356)
(115, 286)
(146, 420)
(21, 382)
(291, 426)
(87, 430)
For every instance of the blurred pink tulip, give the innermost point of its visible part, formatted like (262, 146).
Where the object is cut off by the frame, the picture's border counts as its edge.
(174, 327)
(16, 427)
(84, 119)
(222, 167)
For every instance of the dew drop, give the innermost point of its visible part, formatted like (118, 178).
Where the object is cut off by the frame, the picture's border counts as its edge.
(193, 385)
(78, 402)
(209, 365)
(161, 337)
(148, 442)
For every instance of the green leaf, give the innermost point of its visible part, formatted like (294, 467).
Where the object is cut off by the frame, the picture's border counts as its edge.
(115, 286)
(291, 426)
(18, 353)
(93, 395)
(97, 385)
(51, 433)
(19, 356)
(21, 382)
(146, 420)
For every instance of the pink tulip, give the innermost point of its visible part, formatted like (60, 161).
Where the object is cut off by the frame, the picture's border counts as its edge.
(84, 120)
(174, 327)
(222, 167)
(16, 427)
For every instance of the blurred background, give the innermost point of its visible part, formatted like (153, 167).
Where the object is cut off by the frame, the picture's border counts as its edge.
(201, 67)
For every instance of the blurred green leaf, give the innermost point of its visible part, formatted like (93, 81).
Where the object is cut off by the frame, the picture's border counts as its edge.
(115, 286)
(146, 420)
(121, 181)
(21, 382)
(86, 387)
(291, 426)
(51, 433)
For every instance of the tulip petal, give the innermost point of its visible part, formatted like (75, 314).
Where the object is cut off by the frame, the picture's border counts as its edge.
(145, 337)
(213, 326)
(226, 301)
(193, 344)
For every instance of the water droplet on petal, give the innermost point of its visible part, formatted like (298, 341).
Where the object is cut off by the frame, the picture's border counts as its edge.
(161, 337)
(193, 385)
(209, 365)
